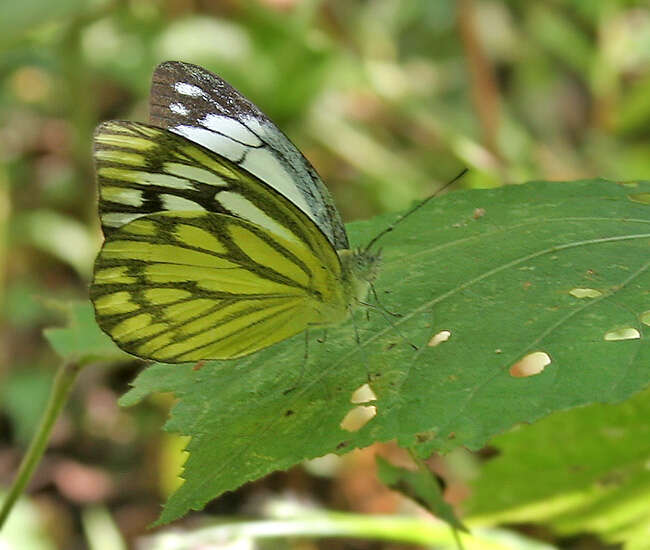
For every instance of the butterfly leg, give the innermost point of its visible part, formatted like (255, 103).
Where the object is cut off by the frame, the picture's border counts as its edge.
(385, 314)
(303, 365)
(357, 338)
(379, 304)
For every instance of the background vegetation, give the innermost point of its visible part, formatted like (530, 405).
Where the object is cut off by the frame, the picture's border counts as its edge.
(388, 99)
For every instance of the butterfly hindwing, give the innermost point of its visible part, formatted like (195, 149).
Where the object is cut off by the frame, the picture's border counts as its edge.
(185, 286)
(199, 105)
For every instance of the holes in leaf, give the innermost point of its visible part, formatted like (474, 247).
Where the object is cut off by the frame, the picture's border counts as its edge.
(585, 293)
(358, 417)
(625, 333)
(323, 466)
(439, 338)
(363, 394)
(530, 364)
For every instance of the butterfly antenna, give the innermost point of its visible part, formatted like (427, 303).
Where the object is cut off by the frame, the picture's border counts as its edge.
(414, 209)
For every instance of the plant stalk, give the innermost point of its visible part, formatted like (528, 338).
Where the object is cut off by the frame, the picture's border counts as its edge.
(63, 382)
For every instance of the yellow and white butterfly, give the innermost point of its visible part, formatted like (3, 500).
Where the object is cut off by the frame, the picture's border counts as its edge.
(220, 238)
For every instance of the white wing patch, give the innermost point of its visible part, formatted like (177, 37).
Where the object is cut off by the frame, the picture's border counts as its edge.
(191, 90)
(194, 173)
(231, 128)
(262, 161)
(124, 195)
(242, 207)
(280, 143)
(225, 146)
(174, 202)
(117, 219)
(163, 180)
(233, 140)
(178, 108)
(143, 178)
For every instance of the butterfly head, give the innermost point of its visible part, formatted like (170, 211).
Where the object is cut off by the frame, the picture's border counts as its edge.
(360, 269)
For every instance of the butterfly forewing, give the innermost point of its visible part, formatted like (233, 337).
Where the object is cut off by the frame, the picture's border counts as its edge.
(199, 105)
(232, 267)
(142, 169)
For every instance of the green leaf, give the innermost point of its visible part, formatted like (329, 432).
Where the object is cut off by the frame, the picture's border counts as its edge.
(82, 341)
(507, 272)
(584, 470)
(420, 486)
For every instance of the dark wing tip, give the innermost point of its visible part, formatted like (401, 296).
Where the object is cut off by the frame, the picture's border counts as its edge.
(168, 66)
(175, 70)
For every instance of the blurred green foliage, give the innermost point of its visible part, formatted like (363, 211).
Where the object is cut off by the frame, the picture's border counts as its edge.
(388, 99)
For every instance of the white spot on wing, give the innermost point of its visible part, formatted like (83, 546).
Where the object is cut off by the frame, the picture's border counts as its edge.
(178, 108)
(269, 169)
(117, 219)
(172, 202)
(194, 173)
(290, 177)
(278, 141)
(124, 195)
(231, 128)
(221, 145)
(245, 209)
(163, 180)
(191, 90)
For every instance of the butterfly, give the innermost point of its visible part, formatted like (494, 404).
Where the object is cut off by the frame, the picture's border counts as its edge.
(220, 237)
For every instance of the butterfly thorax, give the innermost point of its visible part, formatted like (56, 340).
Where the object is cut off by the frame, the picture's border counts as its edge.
(359, 269)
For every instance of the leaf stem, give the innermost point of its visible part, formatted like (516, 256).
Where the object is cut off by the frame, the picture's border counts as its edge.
(63, 382)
